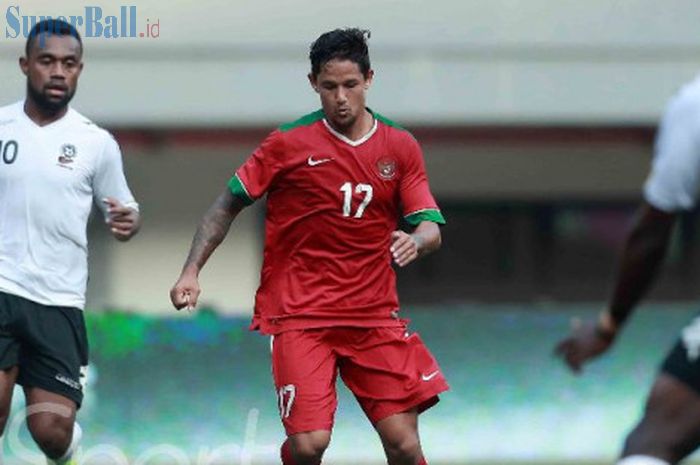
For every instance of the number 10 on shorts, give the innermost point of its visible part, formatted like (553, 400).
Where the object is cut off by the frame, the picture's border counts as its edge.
(285, 397)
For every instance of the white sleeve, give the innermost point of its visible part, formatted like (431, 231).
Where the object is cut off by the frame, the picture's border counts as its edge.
(674, 180)
(109, 179)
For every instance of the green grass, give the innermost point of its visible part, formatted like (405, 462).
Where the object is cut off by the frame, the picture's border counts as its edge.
(192, 383)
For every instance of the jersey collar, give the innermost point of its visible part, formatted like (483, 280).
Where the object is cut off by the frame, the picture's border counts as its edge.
(353, 143)
(31, 122)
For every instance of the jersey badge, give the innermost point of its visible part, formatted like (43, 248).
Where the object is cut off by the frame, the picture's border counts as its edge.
(387, 168)
(68, 153)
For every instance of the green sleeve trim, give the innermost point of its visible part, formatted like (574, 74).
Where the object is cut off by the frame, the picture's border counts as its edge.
(239, 190)
(432, 215)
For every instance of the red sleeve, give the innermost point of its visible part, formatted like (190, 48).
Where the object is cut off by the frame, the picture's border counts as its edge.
(418, 202)
(255, 177)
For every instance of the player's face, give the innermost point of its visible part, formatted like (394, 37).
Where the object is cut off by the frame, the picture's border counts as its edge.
(52, 68)
(343, 89)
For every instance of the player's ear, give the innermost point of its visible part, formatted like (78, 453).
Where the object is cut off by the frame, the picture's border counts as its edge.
(368, 78)
(312, 81)
(24, 65)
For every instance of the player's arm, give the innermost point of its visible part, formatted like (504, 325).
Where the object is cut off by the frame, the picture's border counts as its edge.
(112, 193)
(424, 239)
(250, 182)
(672, 186)
(639, 264)
(210, 233)
(123, 221)
(419, 208)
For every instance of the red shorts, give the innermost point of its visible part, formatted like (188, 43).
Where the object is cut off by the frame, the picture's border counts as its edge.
(388, 371)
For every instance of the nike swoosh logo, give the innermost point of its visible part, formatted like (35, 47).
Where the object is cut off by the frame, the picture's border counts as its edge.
(313, 162)
(430, 376)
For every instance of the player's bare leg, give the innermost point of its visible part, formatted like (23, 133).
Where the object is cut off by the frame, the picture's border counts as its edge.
(399, 435)
(670, 428)
(51, 420)
(305, 448)
(7, 384)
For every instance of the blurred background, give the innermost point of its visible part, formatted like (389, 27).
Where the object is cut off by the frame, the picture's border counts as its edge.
(537, 119)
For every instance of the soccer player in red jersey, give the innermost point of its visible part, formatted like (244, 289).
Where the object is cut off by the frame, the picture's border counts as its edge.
(337, 181)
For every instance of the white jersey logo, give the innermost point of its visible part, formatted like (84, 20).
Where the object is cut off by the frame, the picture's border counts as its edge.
(430, 376)
(313, 162)
(68, 154)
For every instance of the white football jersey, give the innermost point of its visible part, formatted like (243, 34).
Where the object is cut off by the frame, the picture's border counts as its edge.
(49, 177)
(674, 181)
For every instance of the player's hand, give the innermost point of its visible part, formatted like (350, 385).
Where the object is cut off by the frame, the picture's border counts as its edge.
(404, 248)
(185, 292)
(585, 343)
(123, 221)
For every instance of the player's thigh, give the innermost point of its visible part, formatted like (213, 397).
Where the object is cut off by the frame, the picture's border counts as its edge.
(309, 445)
(399, 430)
(10, 307)
(49, 413)
(671, 422)
(8, 377)
(304, 371)
(390, 371)
(54, 350)
(670, 427)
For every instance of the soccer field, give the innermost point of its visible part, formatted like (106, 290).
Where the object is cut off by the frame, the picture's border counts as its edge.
(197, 389)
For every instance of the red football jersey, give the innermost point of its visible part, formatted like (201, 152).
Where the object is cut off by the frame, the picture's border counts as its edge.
(332, 205)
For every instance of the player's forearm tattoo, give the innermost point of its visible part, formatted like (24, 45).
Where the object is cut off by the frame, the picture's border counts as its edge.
(211, 231)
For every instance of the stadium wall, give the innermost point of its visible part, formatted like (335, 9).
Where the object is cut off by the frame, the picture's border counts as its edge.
(447, 62)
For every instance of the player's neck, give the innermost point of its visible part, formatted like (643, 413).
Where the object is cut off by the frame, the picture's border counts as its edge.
(363, 125)
(41, 116)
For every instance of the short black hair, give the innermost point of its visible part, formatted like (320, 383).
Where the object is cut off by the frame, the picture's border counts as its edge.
(344, 44)
(50, 26)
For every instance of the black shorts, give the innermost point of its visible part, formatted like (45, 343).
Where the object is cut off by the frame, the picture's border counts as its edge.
(47, 343)
(683, 362)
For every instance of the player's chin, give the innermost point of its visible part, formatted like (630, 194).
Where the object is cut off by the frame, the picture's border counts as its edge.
(55, 102)
(343, 120)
